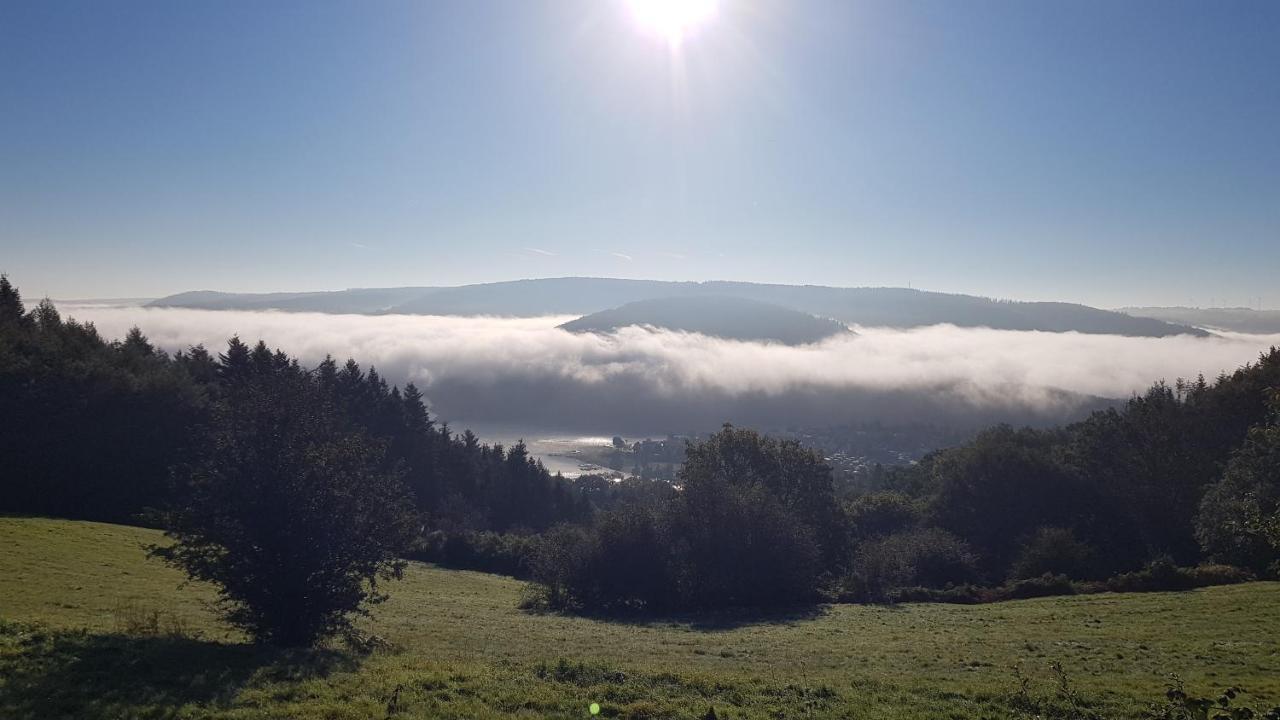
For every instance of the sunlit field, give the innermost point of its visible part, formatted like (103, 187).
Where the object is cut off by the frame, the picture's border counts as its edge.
(90, 628)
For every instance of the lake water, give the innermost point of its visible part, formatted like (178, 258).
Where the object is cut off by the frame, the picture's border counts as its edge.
(559, 451)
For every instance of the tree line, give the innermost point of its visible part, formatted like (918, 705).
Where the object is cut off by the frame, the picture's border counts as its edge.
(1175, 473)
(1177, 488)
(92, 429)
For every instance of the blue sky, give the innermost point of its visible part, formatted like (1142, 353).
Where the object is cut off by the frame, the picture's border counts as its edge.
(1095, 151)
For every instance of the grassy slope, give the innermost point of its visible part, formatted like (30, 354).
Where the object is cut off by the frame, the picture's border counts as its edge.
(462, 648)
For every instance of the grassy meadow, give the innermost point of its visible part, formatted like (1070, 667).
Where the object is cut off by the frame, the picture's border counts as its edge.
(90, 628)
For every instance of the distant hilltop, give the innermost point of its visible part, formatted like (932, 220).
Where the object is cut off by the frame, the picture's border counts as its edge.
(1237, 319)
(869, 307)
(715, 315)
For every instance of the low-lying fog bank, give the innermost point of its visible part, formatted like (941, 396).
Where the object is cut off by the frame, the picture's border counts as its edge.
(528, 372)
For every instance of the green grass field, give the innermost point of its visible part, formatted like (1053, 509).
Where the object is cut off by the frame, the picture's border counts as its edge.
(90, 628)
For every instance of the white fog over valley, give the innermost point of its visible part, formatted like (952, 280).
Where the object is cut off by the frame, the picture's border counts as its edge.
(525, 374)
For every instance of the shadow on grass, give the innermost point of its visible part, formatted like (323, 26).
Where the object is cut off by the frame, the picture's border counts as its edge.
(54, 674)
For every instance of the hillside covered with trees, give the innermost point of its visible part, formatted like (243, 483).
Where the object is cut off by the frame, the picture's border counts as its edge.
(724, 317)
(1178, 488)
(94, 429)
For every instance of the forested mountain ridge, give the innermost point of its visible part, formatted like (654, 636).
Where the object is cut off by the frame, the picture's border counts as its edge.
(715, 315)
(887, 307)
(359, 300)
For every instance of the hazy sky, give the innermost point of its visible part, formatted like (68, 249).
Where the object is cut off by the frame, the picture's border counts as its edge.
(1097, 151)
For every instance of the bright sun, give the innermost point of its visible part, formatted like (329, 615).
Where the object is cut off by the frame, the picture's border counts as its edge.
(673, 19)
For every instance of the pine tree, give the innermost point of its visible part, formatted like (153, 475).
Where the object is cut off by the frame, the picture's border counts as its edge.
(262, 360)
(11, 309)
(327, 371)
(234, 365)
(46, 316)
(415, 410)
(199, 364)
(136, 344)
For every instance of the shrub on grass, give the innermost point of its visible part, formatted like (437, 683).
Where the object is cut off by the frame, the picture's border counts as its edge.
(1046, 585)
(619, 563)
(1162, 574)
(631, 567)
(485, 551)
(959, 595)
(928, 558)
(292, 515)
(1054, 551)
(560, 564)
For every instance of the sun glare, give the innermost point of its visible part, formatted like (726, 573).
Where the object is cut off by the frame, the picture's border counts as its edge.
(673, 19)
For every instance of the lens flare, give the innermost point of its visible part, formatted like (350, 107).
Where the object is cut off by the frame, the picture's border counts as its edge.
(673, 19)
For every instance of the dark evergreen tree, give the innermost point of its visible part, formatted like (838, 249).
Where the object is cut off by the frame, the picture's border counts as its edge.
(235, 365)
(12, 311)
